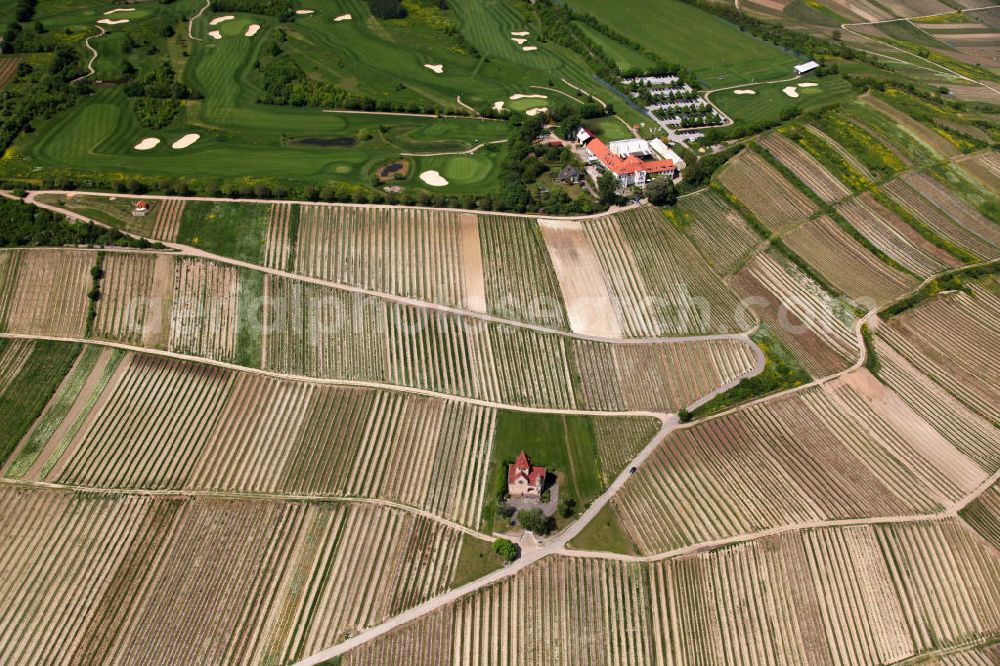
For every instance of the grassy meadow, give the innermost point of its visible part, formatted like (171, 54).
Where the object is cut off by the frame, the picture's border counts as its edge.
(715, 51)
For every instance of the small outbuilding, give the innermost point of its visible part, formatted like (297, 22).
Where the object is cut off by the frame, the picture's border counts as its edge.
(806, 67)
(570, 174)
(140, 209)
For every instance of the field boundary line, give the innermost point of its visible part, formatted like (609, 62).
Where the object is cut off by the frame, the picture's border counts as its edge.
(249, 496)
(495, 213)
(702, 546)
(337, 382)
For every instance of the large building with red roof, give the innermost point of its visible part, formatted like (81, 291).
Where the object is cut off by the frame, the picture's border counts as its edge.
(525, 479)
(633, 161)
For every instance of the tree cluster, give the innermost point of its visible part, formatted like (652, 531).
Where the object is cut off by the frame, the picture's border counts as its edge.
(280, 9)
(25, 10)
(387, 9)
(38, 94)
(535, 521)
(506, 549)
(24, 225)
(700, 171)
(156, 96)
(285, 83)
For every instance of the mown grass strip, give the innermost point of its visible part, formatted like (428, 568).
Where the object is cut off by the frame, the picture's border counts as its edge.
(781, 372)
(925, 231)
(54, 417)
(31, 390)
(953, 281)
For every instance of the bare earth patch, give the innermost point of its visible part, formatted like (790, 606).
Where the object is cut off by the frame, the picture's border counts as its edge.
(588, 300)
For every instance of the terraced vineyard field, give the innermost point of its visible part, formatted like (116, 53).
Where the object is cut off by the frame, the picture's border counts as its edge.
(136, 298)
(951, 204)
(764, 191)
(797, 598)
(984, 515)
(847, 264)
(284, 576)
(167, 219)
(895, 237)
(807, 320)
(849, 449)
(661, 284)
(965, 430)
(431, 255)
(942, 221)
(137, 422)
(953, 338)
(282, 229)
(519, 279)
(806, 168)
(44, 292)
(718, 230)
(204, 316)
(985, 167)
(662, 377)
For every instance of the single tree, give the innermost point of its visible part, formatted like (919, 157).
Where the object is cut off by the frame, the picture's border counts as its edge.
(567, 507)
(606, 186)
(506, 549)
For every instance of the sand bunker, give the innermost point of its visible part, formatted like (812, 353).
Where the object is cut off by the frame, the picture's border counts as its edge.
(519, 40)
(744, 92)
(148, 143)
(523, 33)
(523, 96)
(433, 178)
(498, 106)
(215, 34)
(437, 69)
(115, 11)
(252, 30)
(343, 17)
(537, 110)
(808, 85)
(529, 48)
(303, 12)
(185, 141)
(790, 91)
(220, 19)
(112, 21)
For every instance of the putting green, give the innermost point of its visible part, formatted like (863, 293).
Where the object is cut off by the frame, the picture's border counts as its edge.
(464, 173)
